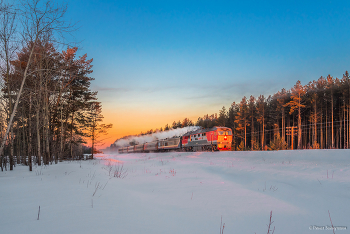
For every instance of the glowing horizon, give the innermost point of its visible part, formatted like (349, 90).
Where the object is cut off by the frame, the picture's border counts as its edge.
(126, 127)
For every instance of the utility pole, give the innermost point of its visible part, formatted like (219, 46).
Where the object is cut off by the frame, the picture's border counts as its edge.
(290, 131)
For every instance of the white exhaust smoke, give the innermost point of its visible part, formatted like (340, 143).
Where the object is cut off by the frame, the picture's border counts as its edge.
(155, 136)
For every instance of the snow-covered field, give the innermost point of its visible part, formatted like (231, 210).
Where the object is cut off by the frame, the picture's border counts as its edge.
(181, 193)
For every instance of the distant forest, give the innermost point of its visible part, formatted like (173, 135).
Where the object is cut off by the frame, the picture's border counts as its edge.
(313, 116)
(47, 109)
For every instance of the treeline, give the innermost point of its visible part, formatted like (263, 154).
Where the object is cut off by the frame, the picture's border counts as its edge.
(315, 116)
(47, 106)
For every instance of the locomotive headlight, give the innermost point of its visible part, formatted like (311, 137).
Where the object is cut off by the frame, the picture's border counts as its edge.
(225, 138)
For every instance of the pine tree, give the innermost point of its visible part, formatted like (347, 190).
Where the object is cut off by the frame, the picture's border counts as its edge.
(297, 93)
(311, 91)
(252, 110)
(242, 120)
(166, 128)
(282, 97)
(346, 93)
(186, 122)
(232, 113)
(321, 84)
(94, 117)
(330, 86)
(261, 106)
(222, 117)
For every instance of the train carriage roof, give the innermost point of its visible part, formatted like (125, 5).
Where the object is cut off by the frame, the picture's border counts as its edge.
(166, 139)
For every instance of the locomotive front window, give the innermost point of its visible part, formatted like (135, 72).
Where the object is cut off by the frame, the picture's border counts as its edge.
(221, 132)
(229, 133)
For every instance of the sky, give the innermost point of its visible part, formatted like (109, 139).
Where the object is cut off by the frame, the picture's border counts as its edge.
(160, 61)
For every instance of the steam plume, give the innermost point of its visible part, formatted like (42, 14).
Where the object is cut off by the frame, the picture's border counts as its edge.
(155, 136)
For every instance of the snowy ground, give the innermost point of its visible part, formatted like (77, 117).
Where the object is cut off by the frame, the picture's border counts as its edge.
(181, 193)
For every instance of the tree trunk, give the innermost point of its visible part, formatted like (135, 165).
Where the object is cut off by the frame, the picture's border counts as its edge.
(315, 123)
(321, 131)
(326, 126)
(61, 138)
(283, 124)
(344, 128)
(299, 125)
(245, 134)
(30, 134)
(263, 134)
(347, 142)
(71, 137)
(332, 119)
(18, 148)
(12, 161)
(46, 125)
(252, 135)
(93, 140)
(24, 155)
(38, 136)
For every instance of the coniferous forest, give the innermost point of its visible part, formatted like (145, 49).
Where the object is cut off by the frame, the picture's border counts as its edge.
(311, 116)
(47, 109)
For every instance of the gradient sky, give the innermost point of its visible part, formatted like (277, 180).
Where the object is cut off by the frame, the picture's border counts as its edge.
(160, 61)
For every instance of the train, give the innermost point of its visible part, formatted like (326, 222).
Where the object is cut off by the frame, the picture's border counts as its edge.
(209, 139)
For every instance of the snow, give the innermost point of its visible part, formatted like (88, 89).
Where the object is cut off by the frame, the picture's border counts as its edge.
(180, 192)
